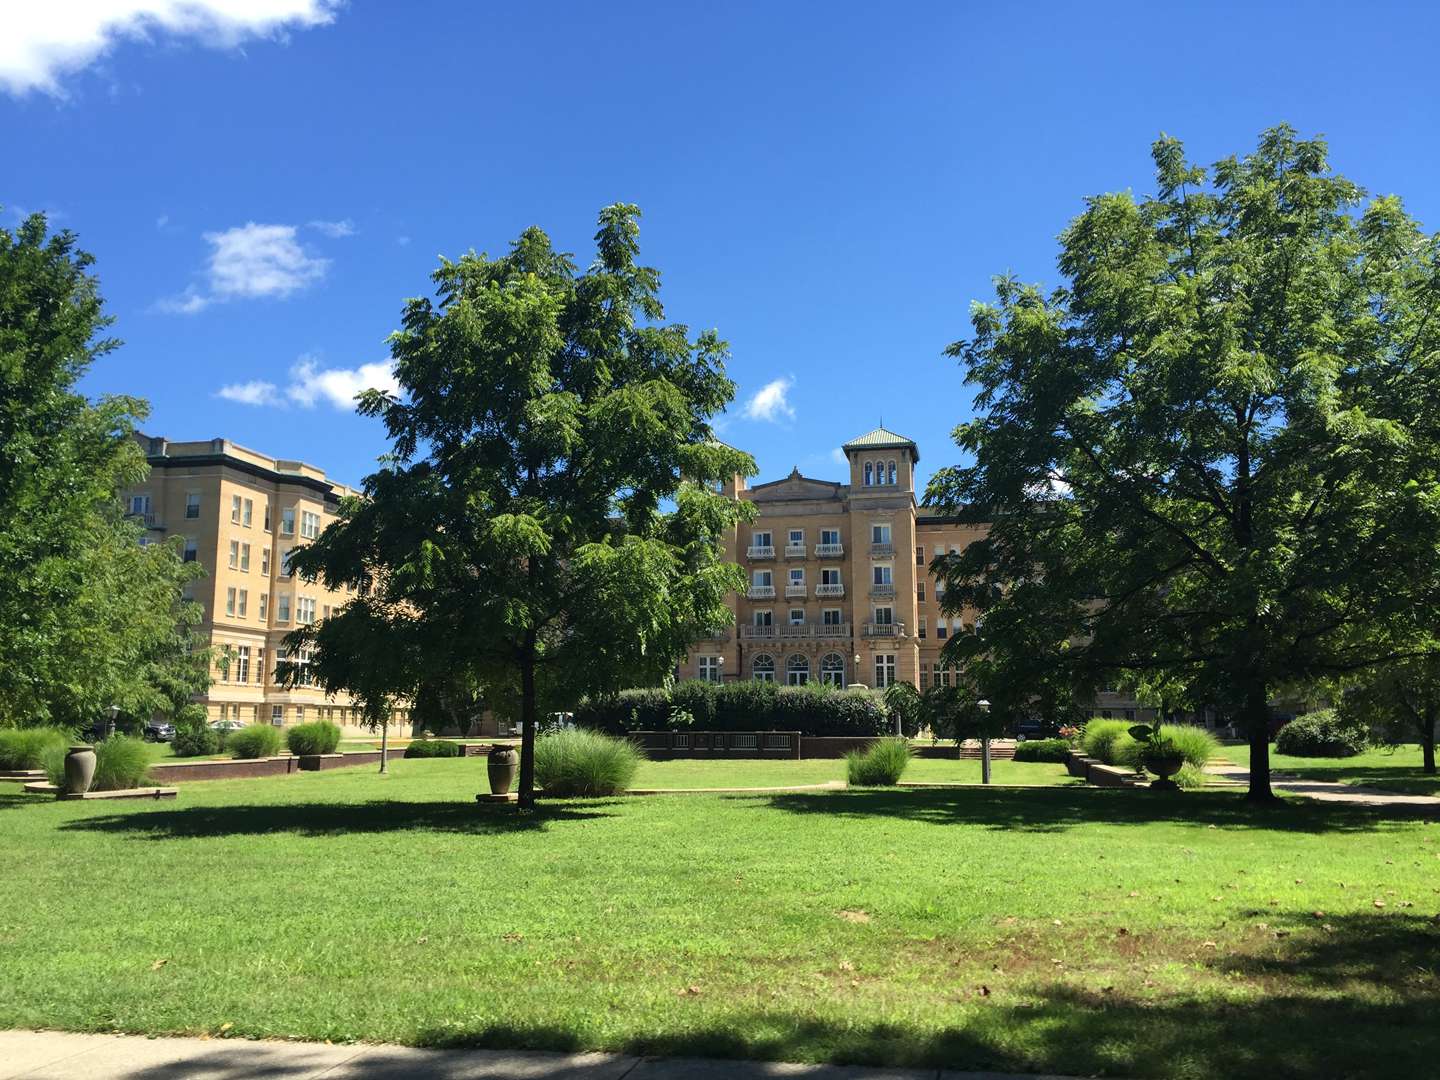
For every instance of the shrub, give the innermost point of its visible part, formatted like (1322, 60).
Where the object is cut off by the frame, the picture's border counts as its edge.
(317, 737)
(195, 741)
(629, 710)
(121, 761)
(26, 748)
(695, 698)
(584, 763)
(1190, 777)
(1323, 733)
(814, 709)
(880, 764)
(254, 741)
(1042, 750)
(432, 748)
(1103, 739)
(1196, 745)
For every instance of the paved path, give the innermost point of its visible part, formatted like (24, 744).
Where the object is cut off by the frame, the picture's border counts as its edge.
(53, 1055)
(1322, 790)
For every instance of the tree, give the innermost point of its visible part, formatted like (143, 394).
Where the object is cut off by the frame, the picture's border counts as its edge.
(905, 703)
(548, 523)
(1400, 703)
(88, 616)
(1212, 454)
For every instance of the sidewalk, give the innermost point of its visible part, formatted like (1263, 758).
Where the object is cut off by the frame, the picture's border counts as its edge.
(54, 1055)
(1321, 790)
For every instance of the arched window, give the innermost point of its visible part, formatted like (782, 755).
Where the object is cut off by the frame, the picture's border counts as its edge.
(869, 474)
(832, 669)
(762, 668)
(891, 478)
(797, 670)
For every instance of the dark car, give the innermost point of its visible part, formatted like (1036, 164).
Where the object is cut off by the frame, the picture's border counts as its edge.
(159, 731)
(1031, 729)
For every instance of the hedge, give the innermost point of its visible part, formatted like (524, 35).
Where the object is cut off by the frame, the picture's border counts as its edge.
(309, 740)
(432, 748)
(815, 709)
(1042, 750)
(1323, 733)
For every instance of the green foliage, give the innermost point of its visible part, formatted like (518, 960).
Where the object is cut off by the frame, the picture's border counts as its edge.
(121, 762)
(316, 737)
(1323, 733)
(27, 747)
(1399, 703)
(195, 740)
(815, 709)
(1196, 745)
(1211, 457)
(88, 617)
(1110, 741)
(1042, 750)
(902, 699)
(576, 763)
(881, 764)
(254, 741)
(1190, 777)
(432, 748)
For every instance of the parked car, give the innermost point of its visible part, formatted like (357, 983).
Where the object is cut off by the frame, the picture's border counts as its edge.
(1031, 729)
(159, 731)
(225, 727)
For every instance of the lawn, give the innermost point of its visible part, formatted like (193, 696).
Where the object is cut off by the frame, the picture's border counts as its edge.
(705, 774)
(1063, 929)
(1395, 769)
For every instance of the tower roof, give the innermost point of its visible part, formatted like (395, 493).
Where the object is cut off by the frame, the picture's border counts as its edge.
(882, 439)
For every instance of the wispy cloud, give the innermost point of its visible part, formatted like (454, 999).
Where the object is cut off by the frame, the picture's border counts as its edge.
(403, 241)
(311, 385)
(771, 401)
(334, 229)
(43, 42)
(250, 262)
(838, 456)
(250, 393)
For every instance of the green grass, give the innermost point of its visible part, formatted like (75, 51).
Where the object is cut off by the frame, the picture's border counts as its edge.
(708, 774)
(1395, 770)
(1065, 929)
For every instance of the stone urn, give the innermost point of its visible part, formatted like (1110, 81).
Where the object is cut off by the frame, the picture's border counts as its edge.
(79, 769)
(1164, 765)
(504, 763)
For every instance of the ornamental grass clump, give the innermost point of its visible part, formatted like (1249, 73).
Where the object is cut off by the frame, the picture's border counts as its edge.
(1110, 741)
(26, 748)
(309, 740)
(121, 762)
(881, 764)
(576, 762)
(254, 741)
(1196, 745)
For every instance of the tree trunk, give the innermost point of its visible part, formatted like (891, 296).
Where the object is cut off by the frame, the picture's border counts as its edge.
(1427, 748)
(384, 747)
(1257, 719)
(527, 727)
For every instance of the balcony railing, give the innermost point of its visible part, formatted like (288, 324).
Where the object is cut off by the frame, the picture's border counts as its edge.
(760, 551)
(757, 633)
(836, 589)
(882, 592)
(148, 520)
(792, 591)
(833, 630)
(715, 635)
(795, 632)
(761, 592)
(882, 551)
(794, 551)
(884, 629)
(829, 551)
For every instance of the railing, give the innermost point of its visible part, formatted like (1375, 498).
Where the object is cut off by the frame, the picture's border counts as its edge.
(882, 551)
(760, 551)
(796, 590)
(879, 629)
(794, 551)
(147, 519)
(757, 633)
(795, 631)
(833, 630)
(715, 635)
(829, 551)
(782, 744)
(829, 590)
(761, 592)
(880, 592)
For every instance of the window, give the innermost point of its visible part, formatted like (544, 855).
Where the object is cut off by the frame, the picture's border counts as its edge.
(764, 618)
(264, 605)
(309, 524)
(277, 714)
(325, 612)
(245, 557)
(234, 554)
(710, 668)
(282, 608)
(265, 561)
(920, 555)
(248, 513)
(880, 534)
(260, 666)
(797, 616)
(920, 632)
(762, 540)
(192, 505)
(762, 668)
(240, 608)
(285, 562)
(890, 479)
(242, 664)
(192, 549)
(305, 610)
(925, 674)
(797, 538)
(880, 573)
(797, 576)
(287, 521)
(920, 591)
(797, 670)
(940, 629)
(266, 524)
(830, 576)
(235, 509)
(884, 616)
(761, 578)
(869, 474)
(884, 670)
(832, 616)
(832, 669)
(230, 602)
(830, 536)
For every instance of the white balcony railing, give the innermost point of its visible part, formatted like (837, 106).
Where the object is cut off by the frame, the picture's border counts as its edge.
(836, 589)
(757, 633)
(793, 591)
(833, 630)
(760, 551)
(884, 629)
(829, 551)
(761, 592)
(146, 519)
(794, 551)
(880, 592)
(882, 551)
(795, 632)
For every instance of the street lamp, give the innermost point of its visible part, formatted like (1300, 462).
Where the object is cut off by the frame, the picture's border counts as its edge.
(114, 713)
(984, 742)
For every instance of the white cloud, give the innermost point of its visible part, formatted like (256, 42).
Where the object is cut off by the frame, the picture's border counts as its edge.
(334, 229)
(838, 456)
(187, 303)
(310, 384)
(250, 393)
(253, 260)
(770, 401)
(44, 41)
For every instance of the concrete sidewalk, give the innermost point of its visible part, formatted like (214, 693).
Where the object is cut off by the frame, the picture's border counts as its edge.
(54, 1055)
(1321, 790)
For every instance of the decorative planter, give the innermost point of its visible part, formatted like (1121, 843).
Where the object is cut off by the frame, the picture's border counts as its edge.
(79, 769)
(504, 763)
(309, 762)
(1164, 768)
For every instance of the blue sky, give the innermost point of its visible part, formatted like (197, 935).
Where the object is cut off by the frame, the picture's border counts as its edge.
(828, 185)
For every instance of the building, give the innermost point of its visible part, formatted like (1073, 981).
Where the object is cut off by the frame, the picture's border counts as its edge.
(241, 514)
(840, 589)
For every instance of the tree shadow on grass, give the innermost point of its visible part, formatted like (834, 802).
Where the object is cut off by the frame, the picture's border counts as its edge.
(335, 819)
(1357, 1001)
(1042, 809)
(1401, 779)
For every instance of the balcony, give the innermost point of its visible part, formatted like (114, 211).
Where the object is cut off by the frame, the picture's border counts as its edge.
(757, 633)
(884, 629)
(721, 634)
(760, 551)
(829, 551)
(148, 520)
(833, 630)
(761, 592)
(794, 551)
(882, 592)
(824, 591)
(882, 551)
(794, 592)
(795, 632)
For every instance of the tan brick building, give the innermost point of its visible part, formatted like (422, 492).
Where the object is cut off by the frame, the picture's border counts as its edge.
(241, 513)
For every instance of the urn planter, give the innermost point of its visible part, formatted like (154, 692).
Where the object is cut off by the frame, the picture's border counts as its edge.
(79, 769)
(1164, 767)
(504, 763)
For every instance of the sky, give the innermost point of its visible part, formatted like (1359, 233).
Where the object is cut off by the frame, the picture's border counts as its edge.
(264, 182)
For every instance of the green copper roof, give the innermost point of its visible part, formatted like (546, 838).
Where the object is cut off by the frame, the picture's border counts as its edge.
(882, 438)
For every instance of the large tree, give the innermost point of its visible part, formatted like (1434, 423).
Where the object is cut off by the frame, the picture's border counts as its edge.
(1211, 455)
(1401, 704)
(88, 617)
(548, 522)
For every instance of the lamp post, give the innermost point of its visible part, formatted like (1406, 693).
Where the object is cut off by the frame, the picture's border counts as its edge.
(857, 668)
(984, 742)
(113, 712)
